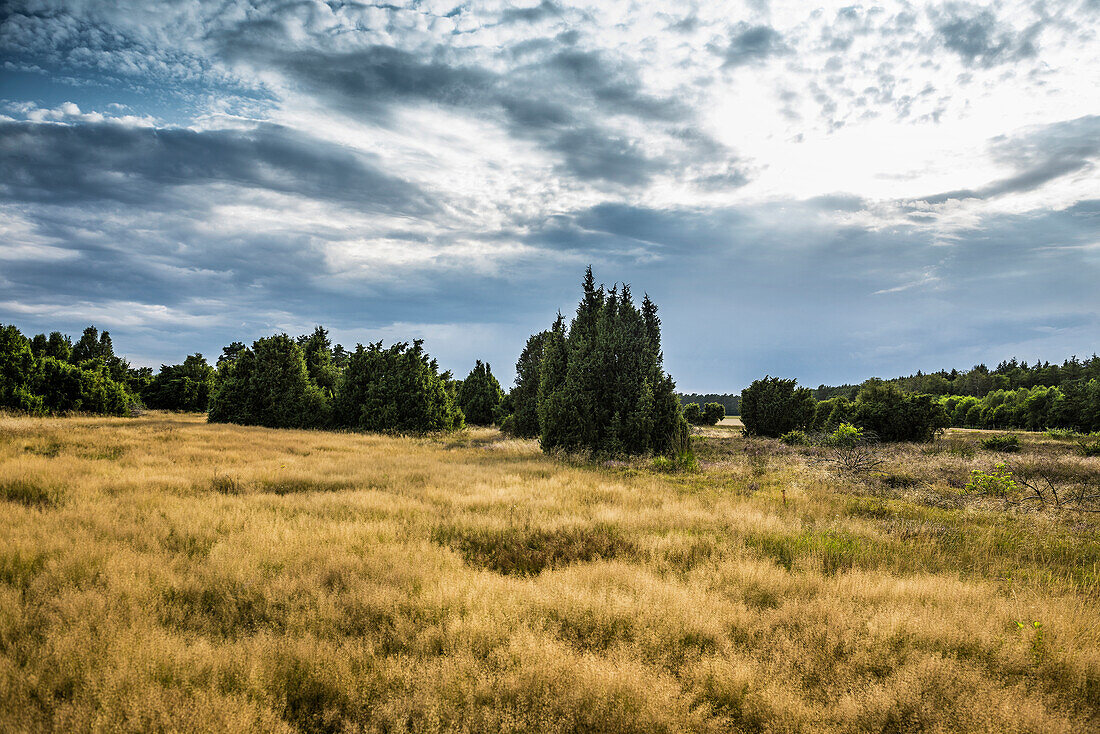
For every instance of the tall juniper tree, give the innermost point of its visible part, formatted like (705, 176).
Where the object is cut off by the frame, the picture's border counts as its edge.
(479, 395)
(603, 387)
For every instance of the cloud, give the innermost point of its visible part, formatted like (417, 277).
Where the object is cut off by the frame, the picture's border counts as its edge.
(753, 44)
(980, 38)
(1039, 156)
(60, 163)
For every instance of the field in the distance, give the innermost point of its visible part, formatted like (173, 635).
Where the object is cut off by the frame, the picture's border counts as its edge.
(162, 574)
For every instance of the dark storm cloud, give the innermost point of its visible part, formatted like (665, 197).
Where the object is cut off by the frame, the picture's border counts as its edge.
(55, 163)
(979, 37)
(1039, 157)
(751, 44)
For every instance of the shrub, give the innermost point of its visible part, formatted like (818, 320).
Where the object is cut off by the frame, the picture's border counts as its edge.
(893, 415)
(268, 385)
(184, 386)
(693, 414)
(395, 389)
(1006, 443)
(1087, 447)
(795, 438)
(772, 407)
(480, 396)
(998, 483)
(851, 449)
(713, 413)
(1061, 434)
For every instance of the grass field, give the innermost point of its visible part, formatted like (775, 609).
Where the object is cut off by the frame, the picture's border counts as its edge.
(162, 574)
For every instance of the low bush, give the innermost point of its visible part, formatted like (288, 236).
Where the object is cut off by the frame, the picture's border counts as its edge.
(1061, 434)
(529, 551)
(795, 438)
(1005, 443)
(997, 483)
(1087, 447)
(852, 449)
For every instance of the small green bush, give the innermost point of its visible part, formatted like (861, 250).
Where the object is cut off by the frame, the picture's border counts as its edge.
(997, 483)
(1086, 447)
(1061, 433)
(693, 414)
(1005, 443)
(713, 413)
(795, 438)
(845, 436)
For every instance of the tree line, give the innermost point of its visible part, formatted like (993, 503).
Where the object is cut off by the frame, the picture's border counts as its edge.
(731, 403)
(979, 380)
(597, 384)
(773, 407)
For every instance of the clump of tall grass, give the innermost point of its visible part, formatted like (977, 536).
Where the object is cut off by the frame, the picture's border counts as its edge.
(30, 492)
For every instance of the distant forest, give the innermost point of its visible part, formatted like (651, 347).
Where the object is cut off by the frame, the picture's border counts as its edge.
(979, 381)
(732, 403)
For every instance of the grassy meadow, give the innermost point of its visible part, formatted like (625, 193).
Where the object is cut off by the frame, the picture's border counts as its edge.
(164, 574)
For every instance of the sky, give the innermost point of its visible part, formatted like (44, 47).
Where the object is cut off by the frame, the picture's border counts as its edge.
(822, 191)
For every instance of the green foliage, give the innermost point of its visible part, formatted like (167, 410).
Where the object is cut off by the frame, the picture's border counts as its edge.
(845, 436)
(892, 415)
(602, 386)
(693, 414)
(269, 385)
(795, 438)
(1005, 443)
(18, 371)
(997, 483)
(730, 403)
(395, 389)
(524, 396)
(44, 384)
(186, 386)
(713, 413)
(1089, 447)
(1061, 434)
(320, 363)
(480, 396)
(773, 406)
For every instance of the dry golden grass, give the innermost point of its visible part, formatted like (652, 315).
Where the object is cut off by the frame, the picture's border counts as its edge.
(162, 574)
